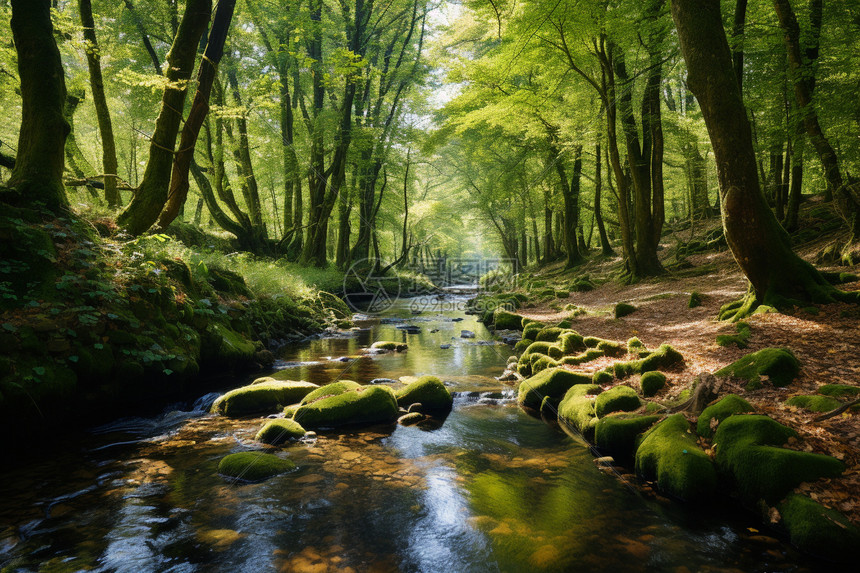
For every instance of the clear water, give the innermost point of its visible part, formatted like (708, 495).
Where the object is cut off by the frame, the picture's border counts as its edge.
(488, 489)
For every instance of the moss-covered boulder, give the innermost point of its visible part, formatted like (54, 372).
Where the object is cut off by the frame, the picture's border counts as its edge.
(616, 434)
(636, 346)
(819, 530)
(262, 397)
(389, 346)
(540, 363)
(652, 382)
(602, 377)
(278, 431)
(576, 409)
(504, 320)
(531, 329)
(711, 416)
(587, 356)
(522, 345)
(549, 334)
(253, 466)
(695, 299)
(617, 399)
(814, 403)
(622, 309)
(748, 454)
(668, 454)
(553, 382)
(839, 390)
(571, 342)
(341, 407)
(778, 364)
(429, 391)
(664, 357)
(226, 348)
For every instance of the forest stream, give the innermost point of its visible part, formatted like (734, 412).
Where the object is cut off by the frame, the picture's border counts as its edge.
(490, 488)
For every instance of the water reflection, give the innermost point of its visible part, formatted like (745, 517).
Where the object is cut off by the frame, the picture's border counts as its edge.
(488, 489)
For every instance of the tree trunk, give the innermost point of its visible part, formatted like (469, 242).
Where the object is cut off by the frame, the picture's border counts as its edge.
(738, 41)
(38, 173)
(794, 193)
(761, 247)
(109, 161)
(149, 200)
(199, 110)
(605, 247)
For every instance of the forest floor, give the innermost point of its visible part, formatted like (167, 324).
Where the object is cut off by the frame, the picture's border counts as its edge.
(826, 343)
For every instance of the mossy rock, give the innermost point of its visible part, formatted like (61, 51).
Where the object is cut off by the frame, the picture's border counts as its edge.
(814, 403)
(610, 347)
(664, 357)
(570, 342)
(429, 391)
(587, 356)
(227, 282)
(565, 324)
(622, 309)
(635, 346)
(540, 363)
(290, 411)
(504, 320)
(531, 329)
(389, 346)
(576, 409)
(839, 390)
(253, 466)
(668, 454)
(341, 407)
(652, 382)
(616, 434)
(778, 364)
(617, 399)
(278, 431)
(522, 345)
(333, 389)
(748, 453)
(818, 530)
(741, 339)
(263, 397)
(602, 377)
(553, 382)
(224, 346)
(695, 299)
(730, 405)
(549, 334)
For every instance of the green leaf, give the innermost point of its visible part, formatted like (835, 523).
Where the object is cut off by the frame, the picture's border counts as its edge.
(39, 370)
(167, 371)
(10, 327)
(73, 358)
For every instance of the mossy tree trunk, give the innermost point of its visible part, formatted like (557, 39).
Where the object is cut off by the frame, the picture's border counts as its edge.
(109, 162)
(199, 110)
(778, 277)
(151, 196)
(37, 176)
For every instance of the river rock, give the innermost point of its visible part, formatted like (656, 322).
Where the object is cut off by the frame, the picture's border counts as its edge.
(467, 334)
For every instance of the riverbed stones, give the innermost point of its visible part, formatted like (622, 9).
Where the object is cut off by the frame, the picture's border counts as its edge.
(253, 466)
(389, 346)
(617, 399)
(261, 397)
(341, 406)
(576, 409)
(668, 454)
(504, 320)
(554, 383)
(429, 391)
(279, 431)
(617, 434)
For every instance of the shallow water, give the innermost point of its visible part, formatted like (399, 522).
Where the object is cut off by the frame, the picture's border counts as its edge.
(488, 489)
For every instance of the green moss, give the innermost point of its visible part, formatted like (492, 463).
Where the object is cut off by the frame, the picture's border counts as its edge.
(363, 405)
(814, 403)
(549, 334)
(576, 409)
(552, 382)
(522, 345)
(531, 330)
(253, 466)
(226, 346)
(533, 353)
(278, 431)
(540, 363)
(839, 390)
(565, 324)
(333, 389)
(669, 454)
(622, 309)
(570, 342)
(429, 391)
(610, 347)
(263, 397)
(715, 413)
(778, 364)
(765, 309)
(695, 299)
(617, 399)
(664, 357)
(746, 453)
(602, 377)
(635, 346)
(587, 356)
(813, 310)
(289, 411)
(740, 339)
(389, 345)
(818, 530)
(616, 434)
(505, 320)
(652, 382)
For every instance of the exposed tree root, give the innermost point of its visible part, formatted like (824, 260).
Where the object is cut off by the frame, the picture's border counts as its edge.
(817, 290)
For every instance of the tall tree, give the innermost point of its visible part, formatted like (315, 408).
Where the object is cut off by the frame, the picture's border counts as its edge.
(38, 171)
(762, 249)
(150, 197)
